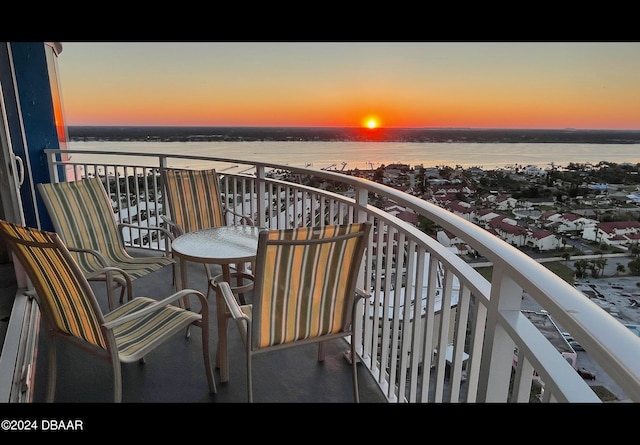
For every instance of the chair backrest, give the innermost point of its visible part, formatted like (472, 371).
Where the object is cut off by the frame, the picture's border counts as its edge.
(305, 282)
(82, 215)
(64, 296)
(194, 198)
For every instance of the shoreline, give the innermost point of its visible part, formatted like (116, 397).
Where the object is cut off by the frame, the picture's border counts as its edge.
(346, 134)
(370, 156)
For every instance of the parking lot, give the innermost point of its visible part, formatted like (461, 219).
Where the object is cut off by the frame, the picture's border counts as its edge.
(619, 295)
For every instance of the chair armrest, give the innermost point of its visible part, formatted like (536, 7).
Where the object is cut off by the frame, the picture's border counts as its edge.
(122, 226)
(244, 219)
(124, 281)
(175, 228)
(107, 271)
(361, 293)
(161, 304)
(101, 259)
(232, 304)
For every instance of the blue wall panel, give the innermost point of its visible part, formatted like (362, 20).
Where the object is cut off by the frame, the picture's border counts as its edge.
(38, 121)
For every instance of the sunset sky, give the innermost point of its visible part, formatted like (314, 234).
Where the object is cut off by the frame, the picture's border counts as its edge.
(584, 85)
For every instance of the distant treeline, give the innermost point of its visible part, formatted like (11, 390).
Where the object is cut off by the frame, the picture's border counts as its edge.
(229, 134)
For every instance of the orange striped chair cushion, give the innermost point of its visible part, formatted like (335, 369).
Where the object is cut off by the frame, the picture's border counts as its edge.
(83, 217)
(186, 189)
(57, 286)
(137, 337)
(304, 284)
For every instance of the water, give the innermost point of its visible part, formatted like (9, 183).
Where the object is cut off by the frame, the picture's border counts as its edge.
(367, 155)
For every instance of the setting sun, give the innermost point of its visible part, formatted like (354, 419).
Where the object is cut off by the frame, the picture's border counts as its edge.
(371, 122)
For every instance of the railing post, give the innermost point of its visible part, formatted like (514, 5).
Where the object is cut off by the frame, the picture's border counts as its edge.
(51, 163)
(261, 191)
(361, 202)
(499, 347)
(163, 164)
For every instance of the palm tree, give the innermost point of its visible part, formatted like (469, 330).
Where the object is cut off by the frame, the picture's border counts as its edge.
(598, 267)
(634, 266)
(581, 267)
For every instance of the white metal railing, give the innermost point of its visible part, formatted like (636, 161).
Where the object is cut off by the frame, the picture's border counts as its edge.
(425, 299)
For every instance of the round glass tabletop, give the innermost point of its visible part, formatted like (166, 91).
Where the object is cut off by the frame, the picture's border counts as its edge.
(226, 244)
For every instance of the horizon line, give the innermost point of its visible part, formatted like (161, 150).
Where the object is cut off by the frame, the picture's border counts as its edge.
(354, 127)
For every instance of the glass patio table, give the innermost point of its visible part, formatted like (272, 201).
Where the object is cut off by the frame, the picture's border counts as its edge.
(225, 246)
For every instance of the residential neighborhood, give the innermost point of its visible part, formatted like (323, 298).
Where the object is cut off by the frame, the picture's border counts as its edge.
(555, 209)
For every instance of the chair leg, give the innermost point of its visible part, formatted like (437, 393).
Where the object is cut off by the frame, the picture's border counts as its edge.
(122, 289)
(354, 368)
(117, 382)
(321, 351)
(222, 317)
(174, 272)
(51, 382)
(207, 357)
(110, 296)
(249, 379)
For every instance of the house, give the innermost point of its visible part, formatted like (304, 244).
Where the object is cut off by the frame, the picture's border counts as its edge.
(403, 214)
(449, 190)
(566, 222)
(616, 233)
(542, 239)
(532, 170)
(449, 240)
(505, 202)
(509, 230)
(462, 209)
(485, 215)
(536, 202)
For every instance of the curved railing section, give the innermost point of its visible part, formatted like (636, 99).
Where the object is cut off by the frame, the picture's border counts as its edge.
(434, 329)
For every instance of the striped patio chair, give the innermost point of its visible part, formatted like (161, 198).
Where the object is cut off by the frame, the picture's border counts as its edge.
(194, 203)
(304, 292)
(71, 312)
(82, 215)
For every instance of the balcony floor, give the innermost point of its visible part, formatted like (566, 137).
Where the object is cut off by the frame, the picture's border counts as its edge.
(174, 373)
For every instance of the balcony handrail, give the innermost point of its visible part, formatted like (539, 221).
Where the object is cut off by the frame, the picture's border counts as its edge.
(493, 342)
(586, 321)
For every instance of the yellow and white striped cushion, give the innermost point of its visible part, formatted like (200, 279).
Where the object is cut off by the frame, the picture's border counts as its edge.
(304, 284)
(194, 199)
(134, 339)
(82, 215)
(57, 286)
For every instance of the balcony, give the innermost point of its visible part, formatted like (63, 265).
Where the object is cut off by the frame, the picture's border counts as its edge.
(425, 299)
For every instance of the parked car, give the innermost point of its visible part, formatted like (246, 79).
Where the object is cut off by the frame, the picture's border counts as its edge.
(587, 375)
(575, 345)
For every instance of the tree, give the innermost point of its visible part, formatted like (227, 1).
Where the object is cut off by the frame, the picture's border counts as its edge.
(619, 268)
(582, 265)
(598, 266)
(427, 226)
(634, 266)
